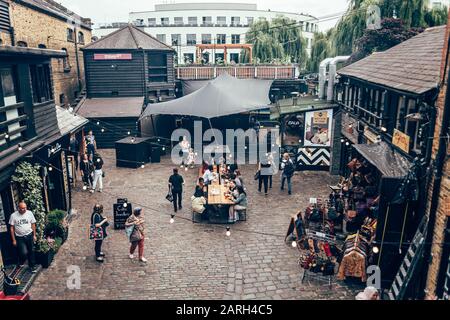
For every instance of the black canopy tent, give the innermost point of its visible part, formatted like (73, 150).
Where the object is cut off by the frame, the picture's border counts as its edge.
(397, 220)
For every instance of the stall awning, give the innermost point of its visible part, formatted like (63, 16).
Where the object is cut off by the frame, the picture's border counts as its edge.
(222, 96)
(388, 161)
(128, 107)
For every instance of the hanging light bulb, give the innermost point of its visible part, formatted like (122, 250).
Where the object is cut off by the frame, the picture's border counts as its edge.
(98, 123)
(172, 219)
(125, 205)
(143, 166)
(186, 169)
(19, 147)
(159, 140)
(70, 109)
(164, 149)
(294, 244)
(98, 160)
(132, 140)
(375, 250)
(50, 168)
(103, 130)
(84, 188)
(347, 143)
(7, 136)
(342, 140)
(383, 129)
(228, 232)
(128, 132)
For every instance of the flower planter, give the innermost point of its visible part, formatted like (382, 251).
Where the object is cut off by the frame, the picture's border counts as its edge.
(45, 259)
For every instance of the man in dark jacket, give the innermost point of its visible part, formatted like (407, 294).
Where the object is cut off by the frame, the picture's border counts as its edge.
(176, 183)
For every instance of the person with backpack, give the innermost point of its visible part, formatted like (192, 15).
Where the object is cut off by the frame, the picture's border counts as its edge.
(135, 228)
(288, 167)
(100, 222)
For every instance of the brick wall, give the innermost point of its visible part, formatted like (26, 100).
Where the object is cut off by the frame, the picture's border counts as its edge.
(5, 38)
(443, 211)
(37, 28)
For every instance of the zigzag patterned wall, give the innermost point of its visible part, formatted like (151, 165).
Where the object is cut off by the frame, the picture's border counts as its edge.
(314, 157)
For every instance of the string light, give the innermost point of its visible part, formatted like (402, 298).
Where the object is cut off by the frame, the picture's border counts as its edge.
(164, 149)
(186, 169)
(7, 136)
(19, 147)
(103, 130)
(294, 244)
(50, 168)
(347, 143)
(172, 219)
(375, 250)
(143, 166)
(128, 132)
(98, 123)
(383, 129)
(84, 188)
(125, 205)
(132, 140)
(228, 232)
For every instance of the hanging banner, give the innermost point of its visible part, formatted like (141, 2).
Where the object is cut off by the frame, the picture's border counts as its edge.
(293, 130)
(113, 56)
(318, 128)
(401, 140)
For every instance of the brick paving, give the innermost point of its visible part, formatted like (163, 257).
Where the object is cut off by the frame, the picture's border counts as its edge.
(186, 260)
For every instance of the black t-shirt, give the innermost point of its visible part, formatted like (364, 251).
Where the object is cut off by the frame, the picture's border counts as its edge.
(177, 182)
(98, 164)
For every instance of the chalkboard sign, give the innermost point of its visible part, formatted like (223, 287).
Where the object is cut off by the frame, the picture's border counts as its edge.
(121, 213)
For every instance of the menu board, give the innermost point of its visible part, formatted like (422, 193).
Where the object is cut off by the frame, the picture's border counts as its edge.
(121, 213)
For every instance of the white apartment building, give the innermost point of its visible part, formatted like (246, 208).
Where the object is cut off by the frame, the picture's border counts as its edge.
(185, 25)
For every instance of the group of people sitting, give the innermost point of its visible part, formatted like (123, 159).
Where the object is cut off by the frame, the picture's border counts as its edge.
(232, 179)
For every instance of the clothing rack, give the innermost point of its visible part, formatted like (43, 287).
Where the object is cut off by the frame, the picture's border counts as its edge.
(321, 236)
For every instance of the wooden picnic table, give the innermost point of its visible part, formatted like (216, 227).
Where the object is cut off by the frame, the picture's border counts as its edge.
(216, 195)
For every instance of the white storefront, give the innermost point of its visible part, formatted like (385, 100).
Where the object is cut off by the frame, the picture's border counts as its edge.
(184, 25)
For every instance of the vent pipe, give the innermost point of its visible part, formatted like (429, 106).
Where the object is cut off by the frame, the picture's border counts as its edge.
(332, 75)
(323, 76)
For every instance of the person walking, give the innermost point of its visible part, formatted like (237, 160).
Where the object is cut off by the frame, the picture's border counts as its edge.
(100, 222)
(74, 148)
(23, 234)
(176, 183)
(137, 236)
(98, 173)
(287, 165)
(91, 144)
(86, 169)
(264, 174)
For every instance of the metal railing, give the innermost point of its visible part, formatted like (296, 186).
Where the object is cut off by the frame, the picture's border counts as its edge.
(239, 71)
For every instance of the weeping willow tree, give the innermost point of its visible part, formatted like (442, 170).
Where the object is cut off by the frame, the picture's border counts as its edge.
(319, 51)
(413, 13)
(279, 41)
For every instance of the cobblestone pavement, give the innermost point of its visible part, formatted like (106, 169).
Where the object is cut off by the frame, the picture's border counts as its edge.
(186, 260)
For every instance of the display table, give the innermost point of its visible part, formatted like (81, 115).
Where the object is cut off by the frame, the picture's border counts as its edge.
(218, 205)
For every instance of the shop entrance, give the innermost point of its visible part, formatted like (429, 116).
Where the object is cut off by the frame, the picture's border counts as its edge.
(55, 185)
(8, 252)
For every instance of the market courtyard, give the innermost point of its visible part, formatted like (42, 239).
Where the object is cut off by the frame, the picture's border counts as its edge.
(186, 260)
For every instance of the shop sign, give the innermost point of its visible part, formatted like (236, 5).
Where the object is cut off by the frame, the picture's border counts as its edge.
(113, 56)
(318, 128)
(401, 140)
(320, 117)
(54, 149)
(371, 136)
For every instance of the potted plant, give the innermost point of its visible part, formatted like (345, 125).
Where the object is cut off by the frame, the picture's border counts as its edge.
(46, 249)
(56, 226)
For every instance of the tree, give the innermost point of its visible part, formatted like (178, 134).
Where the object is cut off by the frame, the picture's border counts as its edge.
(278, 40)
(436, 17)
(319, 51)
(391, 33)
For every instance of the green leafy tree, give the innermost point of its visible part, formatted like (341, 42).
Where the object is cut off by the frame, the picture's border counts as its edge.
(436, 17)
(280, 40)
(320, 50)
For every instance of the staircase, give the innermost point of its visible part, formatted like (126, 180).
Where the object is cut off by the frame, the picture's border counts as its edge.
(410, 262)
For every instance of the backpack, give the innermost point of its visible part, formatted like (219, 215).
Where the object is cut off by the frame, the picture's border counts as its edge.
(289, 169)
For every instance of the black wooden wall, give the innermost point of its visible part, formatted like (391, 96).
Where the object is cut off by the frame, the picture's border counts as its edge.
(110, 78)
(115, 129)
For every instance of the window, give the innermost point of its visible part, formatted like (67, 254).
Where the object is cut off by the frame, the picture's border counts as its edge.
(192, 20)
(157, 67)
(41, 83)
(220, 57)
(205, 57)
(191, 39)
(94, 38)
(207, 20)
(178, 21)
(151, 22)
(176, 39)
(161, 38)
(139, 22)
(206, 39)
(234, 57)
(413, 126)
(22, 44)
(164, 21)
(70, 35)
(235, 38)
(5, 23)
(250, 20)
(221, 38)
(81, 37)
(66, 61)
(222, 20)
(235, 21)
(9, 96)
(188, 58)
(42, 46)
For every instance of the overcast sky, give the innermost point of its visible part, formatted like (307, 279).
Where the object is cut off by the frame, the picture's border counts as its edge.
(117, 10)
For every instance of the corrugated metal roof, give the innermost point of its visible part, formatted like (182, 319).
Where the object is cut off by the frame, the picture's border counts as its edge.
(412, 66)
(130, 38)
(111, 107)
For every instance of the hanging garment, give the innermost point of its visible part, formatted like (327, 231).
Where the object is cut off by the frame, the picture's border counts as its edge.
(353, 265)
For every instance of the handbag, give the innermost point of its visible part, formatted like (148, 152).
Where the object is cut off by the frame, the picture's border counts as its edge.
(136, 235)
(169, 196)
(103, 173)
(129, 231)
(95, 233)
(257, 175)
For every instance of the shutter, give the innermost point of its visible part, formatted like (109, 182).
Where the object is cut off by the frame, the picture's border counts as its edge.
(5, 24)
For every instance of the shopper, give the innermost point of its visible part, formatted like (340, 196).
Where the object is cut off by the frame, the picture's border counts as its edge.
(137, 236)
(100, 222)
(200, 188)
(86, 169)
(287, 165)
(176, 183)
(240, 203)
(98, 173)
(209, 176)
(91, 144)
(23, 234)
